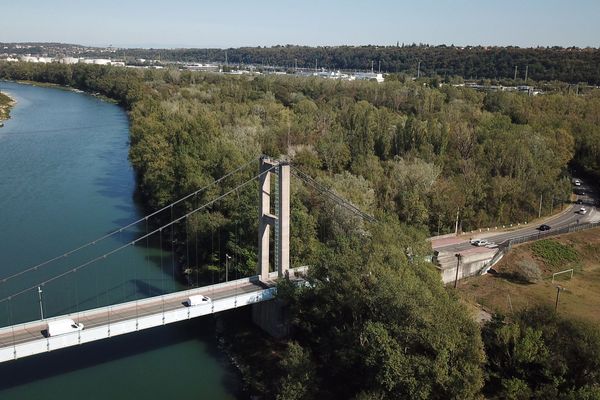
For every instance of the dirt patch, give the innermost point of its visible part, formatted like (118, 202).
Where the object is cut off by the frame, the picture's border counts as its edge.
(578, 297)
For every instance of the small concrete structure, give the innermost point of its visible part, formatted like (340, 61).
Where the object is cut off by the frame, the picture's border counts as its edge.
(471, 263)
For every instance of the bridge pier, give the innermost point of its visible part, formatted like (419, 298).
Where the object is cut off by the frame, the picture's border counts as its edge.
(271, 317)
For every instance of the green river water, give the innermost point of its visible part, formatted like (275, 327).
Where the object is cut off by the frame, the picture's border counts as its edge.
(65, 180)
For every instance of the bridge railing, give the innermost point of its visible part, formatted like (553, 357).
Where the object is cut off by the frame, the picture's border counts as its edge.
(552, 232)
(507, 245)
(113, 322)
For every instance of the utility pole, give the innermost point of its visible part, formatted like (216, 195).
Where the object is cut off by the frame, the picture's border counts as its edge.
(526, 70)
(457, 266)
(419, 69)
(456, 225)
(515, 73)
(540, 210)
(41, 304)
(227, 258)
(558, 290)
(379, 69)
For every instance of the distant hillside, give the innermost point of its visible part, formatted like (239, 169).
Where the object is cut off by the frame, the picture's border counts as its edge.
(571, 65)
(543, 64)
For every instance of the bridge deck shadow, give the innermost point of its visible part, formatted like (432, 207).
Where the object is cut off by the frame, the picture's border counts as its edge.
(47, 365)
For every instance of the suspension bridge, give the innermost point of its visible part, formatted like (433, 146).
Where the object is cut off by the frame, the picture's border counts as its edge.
(20, 338)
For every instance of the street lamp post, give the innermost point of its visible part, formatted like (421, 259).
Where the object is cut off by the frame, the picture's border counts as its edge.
(227, 258)
(41, 306)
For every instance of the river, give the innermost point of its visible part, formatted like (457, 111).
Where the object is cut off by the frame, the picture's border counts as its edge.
(65, 180)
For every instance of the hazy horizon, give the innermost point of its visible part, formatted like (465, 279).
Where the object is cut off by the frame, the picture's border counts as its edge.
(189, 24)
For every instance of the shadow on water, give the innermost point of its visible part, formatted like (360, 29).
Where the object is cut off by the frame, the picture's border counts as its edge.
(28, 370)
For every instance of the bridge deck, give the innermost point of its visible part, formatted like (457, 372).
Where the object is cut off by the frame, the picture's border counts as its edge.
(30, 338)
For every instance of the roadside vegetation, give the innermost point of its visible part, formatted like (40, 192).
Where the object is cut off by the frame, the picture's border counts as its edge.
(504, 292)
(554, 253)
(374, 320)
(533, 351)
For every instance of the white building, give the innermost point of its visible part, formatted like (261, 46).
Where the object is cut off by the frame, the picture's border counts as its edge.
(69, 60)
(367, 76)
(101, 61)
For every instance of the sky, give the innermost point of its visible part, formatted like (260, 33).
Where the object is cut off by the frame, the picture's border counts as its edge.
(236, 23)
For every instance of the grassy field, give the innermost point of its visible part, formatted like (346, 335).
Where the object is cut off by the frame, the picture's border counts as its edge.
(579, 296)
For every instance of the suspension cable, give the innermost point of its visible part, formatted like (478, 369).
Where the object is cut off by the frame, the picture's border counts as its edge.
(331, 194)
(133, 242)
(101, 238)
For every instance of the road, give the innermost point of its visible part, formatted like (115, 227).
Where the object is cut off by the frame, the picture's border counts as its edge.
(586, 197)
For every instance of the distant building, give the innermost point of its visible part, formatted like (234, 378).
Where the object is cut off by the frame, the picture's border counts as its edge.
(36, 59)
(101, 61)
(367, 76)
(69, 60)
(201, 67)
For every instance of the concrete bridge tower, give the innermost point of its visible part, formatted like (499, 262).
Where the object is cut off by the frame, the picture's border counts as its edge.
(278, 219)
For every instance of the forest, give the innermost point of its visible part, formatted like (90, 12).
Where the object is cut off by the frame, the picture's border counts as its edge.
(412, 153)
(572, 65)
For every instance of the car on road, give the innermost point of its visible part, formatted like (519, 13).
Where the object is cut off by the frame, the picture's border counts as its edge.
(544, 227)
(577, 182)
(480, 242)
(582, 211)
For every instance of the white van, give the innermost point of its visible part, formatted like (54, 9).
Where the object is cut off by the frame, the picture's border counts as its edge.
(62, 326)
(198, 300)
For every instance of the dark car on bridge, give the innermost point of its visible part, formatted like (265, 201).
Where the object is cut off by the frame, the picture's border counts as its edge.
(544, 227)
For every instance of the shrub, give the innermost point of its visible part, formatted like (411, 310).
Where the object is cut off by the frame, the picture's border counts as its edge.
(528, 271)
(553, 253)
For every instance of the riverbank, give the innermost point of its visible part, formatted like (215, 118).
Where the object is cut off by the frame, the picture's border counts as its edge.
(6, 104)
(68, 88)
(250, 350)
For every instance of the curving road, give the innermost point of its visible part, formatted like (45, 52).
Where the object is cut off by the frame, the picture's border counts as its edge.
(586, 197)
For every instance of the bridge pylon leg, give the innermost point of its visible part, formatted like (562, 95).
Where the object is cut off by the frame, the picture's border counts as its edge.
(280, 219)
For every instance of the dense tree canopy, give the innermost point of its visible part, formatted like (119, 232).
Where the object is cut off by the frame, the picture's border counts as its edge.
(540, 355)
(373, 320)
(375, 323)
